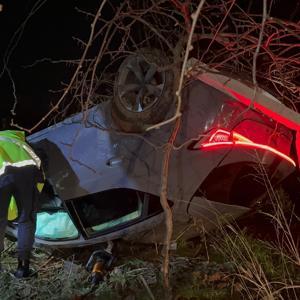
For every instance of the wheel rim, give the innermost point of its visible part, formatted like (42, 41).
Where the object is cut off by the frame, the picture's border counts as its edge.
(140, 84)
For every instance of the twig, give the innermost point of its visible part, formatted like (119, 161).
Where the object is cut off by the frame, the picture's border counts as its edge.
(177, 114)
(165, 205)
(8, 248)
(12, 46)
(217, 31)
(146, 286)
(43, 265)
(89, 43)
(259, 43)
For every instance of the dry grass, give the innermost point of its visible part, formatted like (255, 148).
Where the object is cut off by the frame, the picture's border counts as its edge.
(265, 270)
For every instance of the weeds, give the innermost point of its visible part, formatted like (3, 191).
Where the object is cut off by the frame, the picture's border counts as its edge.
(265, 270)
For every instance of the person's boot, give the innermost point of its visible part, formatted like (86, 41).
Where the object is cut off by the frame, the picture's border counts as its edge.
(23, 270)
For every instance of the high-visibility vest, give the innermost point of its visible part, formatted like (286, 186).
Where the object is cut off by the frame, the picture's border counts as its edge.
(12, 213)
(14, 151)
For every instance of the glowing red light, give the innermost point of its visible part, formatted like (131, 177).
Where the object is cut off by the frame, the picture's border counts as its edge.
(220, 136)
(225, 138)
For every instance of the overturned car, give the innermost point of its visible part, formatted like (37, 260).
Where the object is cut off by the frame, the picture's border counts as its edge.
(103, 167)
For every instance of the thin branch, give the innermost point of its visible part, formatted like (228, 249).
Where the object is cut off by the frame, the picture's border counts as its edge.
(177, 114)
(259, 43)
(89, 43)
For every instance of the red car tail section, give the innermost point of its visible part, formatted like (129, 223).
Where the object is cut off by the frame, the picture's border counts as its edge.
(225, 138)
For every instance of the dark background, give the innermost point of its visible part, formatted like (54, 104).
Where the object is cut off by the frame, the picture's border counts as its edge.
(50, 34)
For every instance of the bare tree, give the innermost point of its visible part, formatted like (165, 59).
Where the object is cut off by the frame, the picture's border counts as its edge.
(222, 34)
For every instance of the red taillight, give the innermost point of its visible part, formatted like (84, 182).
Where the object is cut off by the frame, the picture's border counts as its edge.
(226, 138)
(219, 136)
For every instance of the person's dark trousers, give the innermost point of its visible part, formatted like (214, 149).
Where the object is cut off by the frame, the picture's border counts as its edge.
(20, 182)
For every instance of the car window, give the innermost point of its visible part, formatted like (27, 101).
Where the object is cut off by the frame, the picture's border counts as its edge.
(135, 214)
(113, 209)
(53, 221)
(105, 210)
(55, 226)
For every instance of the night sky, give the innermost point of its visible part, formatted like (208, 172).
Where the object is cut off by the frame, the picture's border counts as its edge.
(49, 34)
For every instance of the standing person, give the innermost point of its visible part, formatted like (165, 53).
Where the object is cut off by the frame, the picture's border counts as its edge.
(19, 174)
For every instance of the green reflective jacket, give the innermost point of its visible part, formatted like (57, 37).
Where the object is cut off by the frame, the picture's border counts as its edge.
(14, 151)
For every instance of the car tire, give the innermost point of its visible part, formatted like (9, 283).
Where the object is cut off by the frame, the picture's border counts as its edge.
(142, 91)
